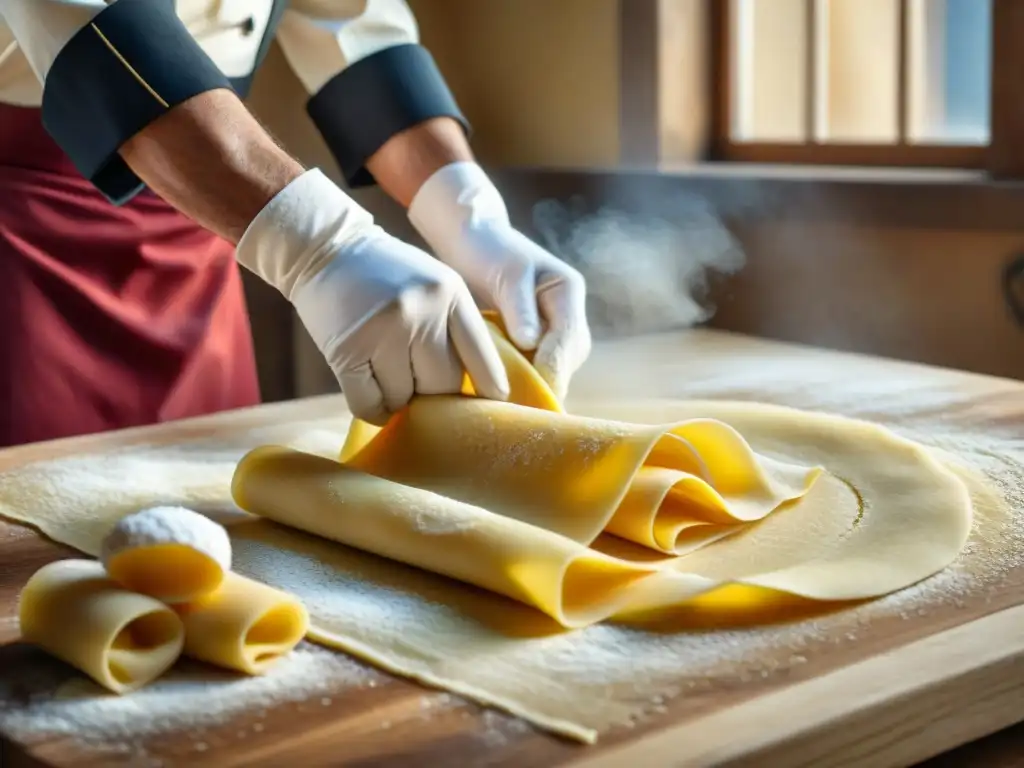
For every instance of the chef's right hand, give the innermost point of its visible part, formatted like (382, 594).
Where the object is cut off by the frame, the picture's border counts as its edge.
(391, 320)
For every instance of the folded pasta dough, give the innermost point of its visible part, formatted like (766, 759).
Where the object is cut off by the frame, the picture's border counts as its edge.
(520, 491)
(662, 487)
(526, 388)
(122, 640)
(670, 488)
(244, 625)
(573, 584)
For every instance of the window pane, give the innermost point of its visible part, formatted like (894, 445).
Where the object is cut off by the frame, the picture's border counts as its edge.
(769, 59)
(950, 71)
(859, 57)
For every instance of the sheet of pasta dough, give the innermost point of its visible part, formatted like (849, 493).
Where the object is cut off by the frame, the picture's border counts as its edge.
(886, 514)
(514, 500)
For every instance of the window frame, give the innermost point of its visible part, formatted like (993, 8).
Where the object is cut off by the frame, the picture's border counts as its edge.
(1003, 156)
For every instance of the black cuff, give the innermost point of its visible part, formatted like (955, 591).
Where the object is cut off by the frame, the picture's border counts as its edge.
(363, 106)
(130, 65)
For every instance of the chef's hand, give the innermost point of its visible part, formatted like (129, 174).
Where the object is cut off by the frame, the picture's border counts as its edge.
(391, 320)
(540, 298)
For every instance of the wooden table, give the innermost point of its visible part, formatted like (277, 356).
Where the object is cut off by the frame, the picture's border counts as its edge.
(904, 692)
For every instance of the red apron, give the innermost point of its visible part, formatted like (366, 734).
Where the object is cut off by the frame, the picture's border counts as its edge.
(109, 317)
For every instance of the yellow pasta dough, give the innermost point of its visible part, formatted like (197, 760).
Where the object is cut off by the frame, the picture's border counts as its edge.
(883, 514)
(521, 490)
(244, 625)
(526, 388)
(170, 553)
(596, 517)
(121, 639)
(525, 539)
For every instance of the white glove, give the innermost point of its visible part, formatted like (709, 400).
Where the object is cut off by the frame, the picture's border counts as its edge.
(540, 298)
(391, 320)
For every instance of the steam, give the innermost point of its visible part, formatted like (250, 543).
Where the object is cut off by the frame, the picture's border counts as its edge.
(645, 272)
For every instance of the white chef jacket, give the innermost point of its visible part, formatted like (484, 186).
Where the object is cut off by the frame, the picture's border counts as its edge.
(101, 70)
(320, 38)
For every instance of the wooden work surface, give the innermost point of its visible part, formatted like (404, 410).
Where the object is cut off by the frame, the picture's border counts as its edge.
(905, 690)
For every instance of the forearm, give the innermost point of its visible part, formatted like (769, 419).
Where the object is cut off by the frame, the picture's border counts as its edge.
(211, 159)
(405, 162)
(158, 110)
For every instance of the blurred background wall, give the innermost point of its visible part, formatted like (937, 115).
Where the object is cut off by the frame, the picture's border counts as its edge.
(885, 259)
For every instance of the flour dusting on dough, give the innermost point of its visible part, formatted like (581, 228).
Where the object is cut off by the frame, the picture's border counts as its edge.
(433, 524)
(637, 675)
(163, 526)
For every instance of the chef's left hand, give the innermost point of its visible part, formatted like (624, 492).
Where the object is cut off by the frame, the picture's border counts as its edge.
(541, 299)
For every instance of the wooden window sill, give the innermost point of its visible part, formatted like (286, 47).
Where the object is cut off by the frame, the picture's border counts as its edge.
(896, 197)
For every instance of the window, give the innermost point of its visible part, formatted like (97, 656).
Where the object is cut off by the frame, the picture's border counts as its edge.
(859, 82)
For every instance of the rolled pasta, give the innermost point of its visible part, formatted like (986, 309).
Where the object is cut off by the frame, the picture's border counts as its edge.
(170, 553)
(244, 625)
(573, 584)
(121, 639)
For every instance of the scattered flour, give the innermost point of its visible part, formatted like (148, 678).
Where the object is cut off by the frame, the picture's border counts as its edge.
(192, 696)
(650, 672)
(663, 671)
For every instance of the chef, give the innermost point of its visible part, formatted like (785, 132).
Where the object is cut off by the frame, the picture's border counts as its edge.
(132, 179)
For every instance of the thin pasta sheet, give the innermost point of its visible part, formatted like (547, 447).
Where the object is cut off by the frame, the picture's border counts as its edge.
(483, 547)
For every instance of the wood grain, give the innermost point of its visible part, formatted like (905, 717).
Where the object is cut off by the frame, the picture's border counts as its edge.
(664, 82)
(1006, 120)
(639, 83)
(885, 155)
(878, 715)
(903, 691)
